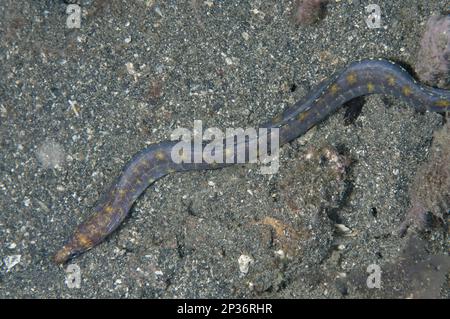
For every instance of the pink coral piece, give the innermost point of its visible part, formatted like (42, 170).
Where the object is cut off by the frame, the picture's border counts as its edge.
(309, 11)
(433, 63)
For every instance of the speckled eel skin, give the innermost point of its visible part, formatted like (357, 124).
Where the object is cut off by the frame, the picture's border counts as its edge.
(370, 76)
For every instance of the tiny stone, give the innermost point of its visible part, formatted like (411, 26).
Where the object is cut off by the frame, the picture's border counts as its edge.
(244, 263)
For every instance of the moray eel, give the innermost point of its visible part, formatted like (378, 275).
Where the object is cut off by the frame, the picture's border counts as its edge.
(370, 76)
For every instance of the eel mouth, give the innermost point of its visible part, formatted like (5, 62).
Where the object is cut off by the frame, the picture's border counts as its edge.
(63, 255)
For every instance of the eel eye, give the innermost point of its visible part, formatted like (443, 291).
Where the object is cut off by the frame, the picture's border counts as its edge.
(73, 255)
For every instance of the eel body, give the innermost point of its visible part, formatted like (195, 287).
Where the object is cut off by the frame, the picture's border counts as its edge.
(370, 76)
